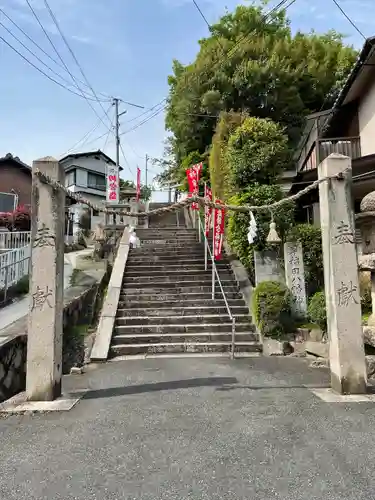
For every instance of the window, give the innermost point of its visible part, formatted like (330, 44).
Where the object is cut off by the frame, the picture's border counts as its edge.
(70, 178)
(96, 181)
(7, 202)
(95, 213)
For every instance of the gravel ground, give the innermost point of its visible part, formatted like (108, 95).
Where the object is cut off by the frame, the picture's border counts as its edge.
(193, 429)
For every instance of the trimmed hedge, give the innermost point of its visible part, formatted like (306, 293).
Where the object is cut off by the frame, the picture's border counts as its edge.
(317, 310)
(238, 223)
(271, 307)
(311, 238)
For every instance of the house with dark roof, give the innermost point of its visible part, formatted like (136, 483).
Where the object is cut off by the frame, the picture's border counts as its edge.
(349, 129)
(15, 183)
(85, 174)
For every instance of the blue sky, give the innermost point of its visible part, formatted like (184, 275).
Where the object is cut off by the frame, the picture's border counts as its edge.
(126, 48)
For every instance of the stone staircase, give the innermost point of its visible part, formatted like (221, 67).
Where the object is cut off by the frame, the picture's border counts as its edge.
(166, 306)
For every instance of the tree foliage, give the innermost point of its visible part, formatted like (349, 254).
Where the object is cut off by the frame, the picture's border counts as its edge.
(238, 222)
(219, 170)
(271, 307)
(125, 184)
(257, 153)
(311, 240)
(270, 74)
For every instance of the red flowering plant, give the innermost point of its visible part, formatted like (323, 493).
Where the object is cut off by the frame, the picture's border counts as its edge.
(18, 220)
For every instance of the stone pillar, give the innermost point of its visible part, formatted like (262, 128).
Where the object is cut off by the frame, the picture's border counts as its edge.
(45, 321)
(267, 266)
(346, 349)
(295, 276)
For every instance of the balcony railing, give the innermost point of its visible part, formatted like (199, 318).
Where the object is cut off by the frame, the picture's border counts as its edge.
(347, 146)
(99, 187)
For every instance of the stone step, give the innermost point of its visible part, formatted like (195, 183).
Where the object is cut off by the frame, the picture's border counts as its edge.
(181, 311)
(149, 302)
(145, 296)
(166, 235)
(180, 285)
(204, 277)
(211, 319)
(169, 288)
(156, 242)
(178, 327)
(143, 268)
(168, 338)
(170, 259)
(170, 229)
(172, 274)
(182, 347)
(183, 249)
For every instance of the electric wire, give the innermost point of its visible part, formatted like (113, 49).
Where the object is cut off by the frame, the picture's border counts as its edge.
(63, 62)
(348, 18)
(107, 98)
(55, 21)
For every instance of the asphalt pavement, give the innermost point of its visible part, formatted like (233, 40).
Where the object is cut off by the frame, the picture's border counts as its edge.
(176, 429)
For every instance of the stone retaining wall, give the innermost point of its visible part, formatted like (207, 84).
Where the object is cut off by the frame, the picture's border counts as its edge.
(12, 366)
(82, 304)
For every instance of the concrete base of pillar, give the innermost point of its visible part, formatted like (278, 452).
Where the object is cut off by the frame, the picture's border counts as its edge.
(20, 404)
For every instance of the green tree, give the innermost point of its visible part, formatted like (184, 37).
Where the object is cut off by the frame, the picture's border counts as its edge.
(251, 65)
(219, 170)
(146, 191)
(238, 222)
(257, 152)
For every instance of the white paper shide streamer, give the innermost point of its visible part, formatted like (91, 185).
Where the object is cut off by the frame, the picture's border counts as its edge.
(252, 232)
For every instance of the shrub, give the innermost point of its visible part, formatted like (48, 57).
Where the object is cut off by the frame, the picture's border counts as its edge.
(257, 152)
(238, 222)
(271, 306)
(317, 310)
(311, 238)
(22, 286)
(365, 291)
(219, 170)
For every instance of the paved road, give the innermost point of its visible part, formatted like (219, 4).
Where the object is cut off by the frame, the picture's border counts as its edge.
(193, 429)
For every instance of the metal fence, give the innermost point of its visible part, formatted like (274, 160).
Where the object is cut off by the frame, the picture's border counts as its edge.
(14, 265)
(15, 239)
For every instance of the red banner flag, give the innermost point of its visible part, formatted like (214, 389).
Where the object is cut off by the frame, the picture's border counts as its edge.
(207, 210)
(193, 179)
(138, 183)
(219, 224)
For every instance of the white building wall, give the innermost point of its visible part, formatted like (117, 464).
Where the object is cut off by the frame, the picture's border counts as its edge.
(366, 118)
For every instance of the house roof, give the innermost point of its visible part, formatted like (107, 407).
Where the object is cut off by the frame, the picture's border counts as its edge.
(358, 78)
(9, 158)
(88, 154)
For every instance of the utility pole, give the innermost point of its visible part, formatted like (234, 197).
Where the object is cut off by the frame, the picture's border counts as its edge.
(117, 131)
(146, 169)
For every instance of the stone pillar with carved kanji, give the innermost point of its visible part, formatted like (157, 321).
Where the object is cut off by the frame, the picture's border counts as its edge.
(343, 303)
(45, 319)
(295, 277)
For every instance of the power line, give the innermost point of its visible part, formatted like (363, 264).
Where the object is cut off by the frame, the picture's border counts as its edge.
(219, 62)
(97, 138)
(348, 18)
(38, 58)
(73, 55)
(147, 111)
(143, 122)
(107, 98)
(83, 139)
(201, 13)
(109, 133)
(126, 161)
(208, 24)
(38, 69)
(63, 62)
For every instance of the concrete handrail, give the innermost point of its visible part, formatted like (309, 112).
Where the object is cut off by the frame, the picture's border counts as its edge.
(108, 315)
